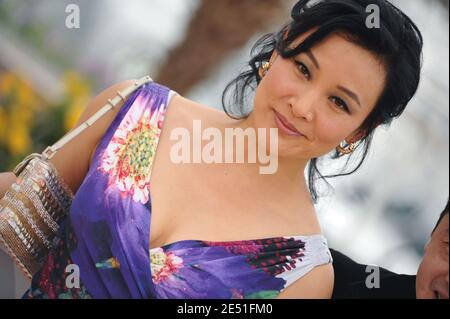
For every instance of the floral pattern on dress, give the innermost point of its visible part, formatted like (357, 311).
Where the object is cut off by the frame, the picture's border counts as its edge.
(52, 281)
(164, 265)
(233, 270)
(128, 157)
(107, 233)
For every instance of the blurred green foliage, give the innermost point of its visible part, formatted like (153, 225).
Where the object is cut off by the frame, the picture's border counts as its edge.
(29, 123)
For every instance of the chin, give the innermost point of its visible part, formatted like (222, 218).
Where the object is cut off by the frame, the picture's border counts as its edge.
(289, 152)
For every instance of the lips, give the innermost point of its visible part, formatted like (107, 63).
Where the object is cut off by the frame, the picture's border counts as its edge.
(284, 125)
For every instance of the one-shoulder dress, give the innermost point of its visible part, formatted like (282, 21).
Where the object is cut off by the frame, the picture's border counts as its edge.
(102, 249)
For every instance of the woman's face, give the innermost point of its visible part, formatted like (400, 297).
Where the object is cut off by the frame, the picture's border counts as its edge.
(325, 94)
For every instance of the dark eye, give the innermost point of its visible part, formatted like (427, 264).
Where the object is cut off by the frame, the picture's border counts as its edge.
(303, 69)
(340, 104)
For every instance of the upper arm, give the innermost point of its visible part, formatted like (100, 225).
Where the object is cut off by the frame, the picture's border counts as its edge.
(72, 161)
(317, 284)
(6, 180)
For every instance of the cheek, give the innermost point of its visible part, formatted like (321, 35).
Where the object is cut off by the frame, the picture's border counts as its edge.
(331, 132)
(273, 91)
(434, 265)
(441, 260)
(423, 274)
(281, 81)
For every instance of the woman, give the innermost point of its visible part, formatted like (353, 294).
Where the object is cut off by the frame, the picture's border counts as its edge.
(326, 81)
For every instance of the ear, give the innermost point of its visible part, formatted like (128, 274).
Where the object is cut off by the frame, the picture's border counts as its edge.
(275, 53)
(360, 134)
(273, 57)
(356, 137)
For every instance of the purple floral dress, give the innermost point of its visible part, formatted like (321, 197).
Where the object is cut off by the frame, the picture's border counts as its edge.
(106, 235)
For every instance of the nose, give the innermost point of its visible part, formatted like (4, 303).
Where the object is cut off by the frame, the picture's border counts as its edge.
(303, 105)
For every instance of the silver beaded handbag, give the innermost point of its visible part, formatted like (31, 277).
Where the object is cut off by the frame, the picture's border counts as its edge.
(37, 202)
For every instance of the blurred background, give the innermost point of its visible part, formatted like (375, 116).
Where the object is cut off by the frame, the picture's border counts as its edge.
(48, 72)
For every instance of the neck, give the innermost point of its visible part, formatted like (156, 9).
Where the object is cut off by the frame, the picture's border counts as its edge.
(287, 178)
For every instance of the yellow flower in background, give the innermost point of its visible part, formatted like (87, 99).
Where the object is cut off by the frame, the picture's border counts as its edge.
(7, 81)
(21, 115)
(74, 112)
(25, 95)
(23, 91)
(75, 85)
(17, 135)
(21, 106)
(3, 124)
(79, 92)
(16, 118)
(19, 140)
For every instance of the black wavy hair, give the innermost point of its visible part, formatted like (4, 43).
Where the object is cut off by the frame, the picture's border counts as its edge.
(397, 43)
(444, 212)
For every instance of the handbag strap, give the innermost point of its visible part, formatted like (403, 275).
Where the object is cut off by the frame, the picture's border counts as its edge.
(50, 151)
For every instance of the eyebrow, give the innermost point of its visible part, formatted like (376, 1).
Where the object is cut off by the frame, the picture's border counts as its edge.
(350, 93)
(353, 95)
(313, 59)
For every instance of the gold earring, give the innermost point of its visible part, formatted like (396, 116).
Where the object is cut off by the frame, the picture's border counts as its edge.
(345, 148)
(264, 69)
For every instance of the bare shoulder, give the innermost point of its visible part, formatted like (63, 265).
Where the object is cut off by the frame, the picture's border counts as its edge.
(73, 160)
(183, 111)
(317, 284)
(180, 113)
